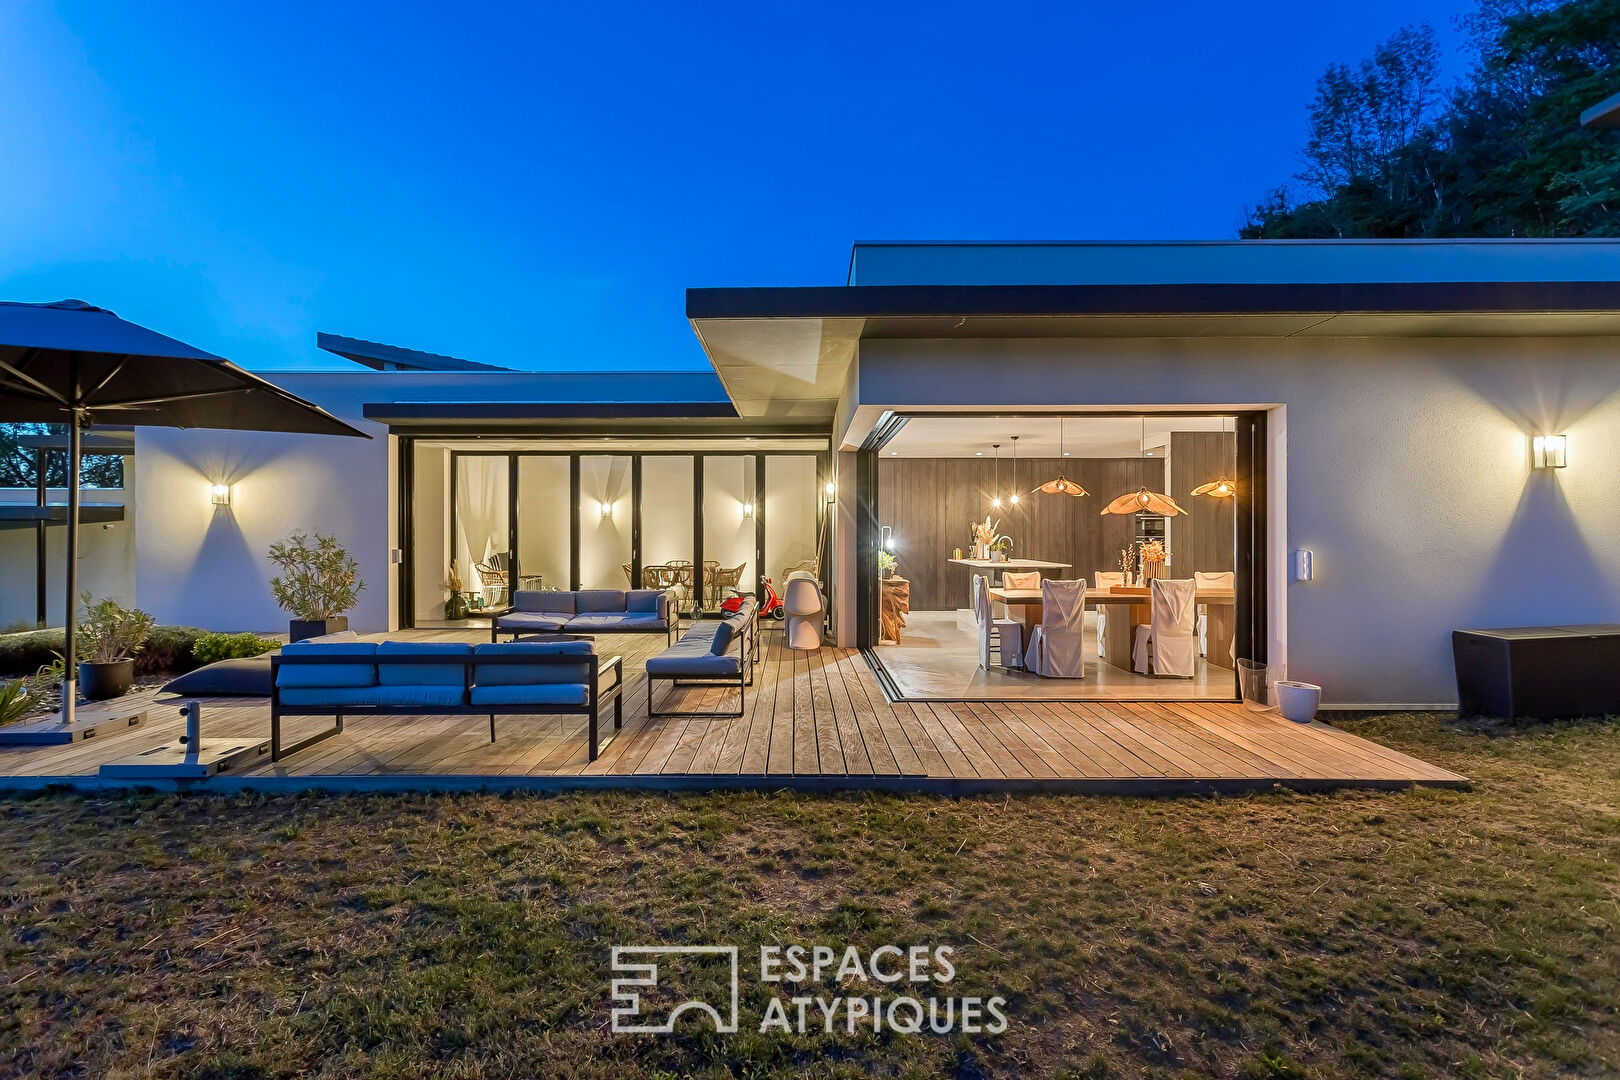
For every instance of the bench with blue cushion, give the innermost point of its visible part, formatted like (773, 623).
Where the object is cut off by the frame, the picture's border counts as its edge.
(588, 611)
(717, 653)
(516, 678)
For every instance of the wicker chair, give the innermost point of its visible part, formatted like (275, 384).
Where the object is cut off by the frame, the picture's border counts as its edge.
(492, 575)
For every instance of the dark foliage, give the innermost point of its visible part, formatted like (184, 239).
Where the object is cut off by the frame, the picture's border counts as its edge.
(18, 465)
(1503, 154)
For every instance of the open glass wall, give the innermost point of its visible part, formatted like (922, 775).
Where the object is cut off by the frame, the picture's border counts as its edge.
(980, 513)
(668, 523)
(605, 512)
(482, 526)
(544, 504)
(730, 506)
(513, 516)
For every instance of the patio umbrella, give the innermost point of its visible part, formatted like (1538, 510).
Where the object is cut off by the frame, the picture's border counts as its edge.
(72, 363)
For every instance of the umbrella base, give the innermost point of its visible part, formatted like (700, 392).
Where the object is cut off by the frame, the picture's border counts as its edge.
(53, 732)
(187, 761)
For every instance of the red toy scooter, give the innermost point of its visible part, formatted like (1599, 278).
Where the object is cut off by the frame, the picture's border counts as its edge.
(771, 605)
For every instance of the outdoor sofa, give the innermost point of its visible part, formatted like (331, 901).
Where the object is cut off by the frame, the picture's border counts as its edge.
(588, 611)
(391, 678)
(712, 653)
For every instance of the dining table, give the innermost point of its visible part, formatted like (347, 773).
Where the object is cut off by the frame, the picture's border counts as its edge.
(1133, 604)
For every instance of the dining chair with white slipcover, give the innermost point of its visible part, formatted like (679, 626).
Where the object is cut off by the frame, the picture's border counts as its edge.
(1057, 647)
(1168, 646)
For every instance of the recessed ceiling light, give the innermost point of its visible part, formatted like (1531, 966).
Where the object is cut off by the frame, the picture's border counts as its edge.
(1150, 453)
(978, 453)
(1065, 453)
(894, 453)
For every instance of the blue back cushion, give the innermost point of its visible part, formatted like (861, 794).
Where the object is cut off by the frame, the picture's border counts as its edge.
(645, 600)
(544, 600)
(724, 635)
(599, 600)
(409, 663)
(532, 674)
(358, 674)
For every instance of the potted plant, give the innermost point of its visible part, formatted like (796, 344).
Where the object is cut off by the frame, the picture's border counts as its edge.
(455, 605)
(319, 581)
(109, 636)
(886, 563)
(1001, 549)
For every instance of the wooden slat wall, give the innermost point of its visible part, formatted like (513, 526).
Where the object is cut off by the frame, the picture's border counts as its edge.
(929, 502)
(1203, 539)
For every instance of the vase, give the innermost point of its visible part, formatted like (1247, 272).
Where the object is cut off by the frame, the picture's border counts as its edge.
(1298, 701)
(455, 608)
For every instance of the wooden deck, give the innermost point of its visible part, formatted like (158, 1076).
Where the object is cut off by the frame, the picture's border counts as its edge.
(813, 721)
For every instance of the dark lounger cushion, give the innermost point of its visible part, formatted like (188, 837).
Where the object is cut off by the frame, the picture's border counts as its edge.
(247, 676)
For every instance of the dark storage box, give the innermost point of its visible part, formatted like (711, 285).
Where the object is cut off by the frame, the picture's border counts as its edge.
(1538, 672)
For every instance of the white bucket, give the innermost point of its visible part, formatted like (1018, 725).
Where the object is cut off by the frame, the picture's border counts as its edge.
(1298, 700)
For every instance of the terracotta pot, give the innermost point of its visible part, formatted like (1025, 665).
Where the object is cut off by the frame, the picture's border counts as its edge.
(98, 682)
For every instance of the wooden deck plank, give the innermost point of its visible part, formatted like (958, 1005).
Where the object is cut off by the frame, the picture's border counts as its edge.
(807, 715)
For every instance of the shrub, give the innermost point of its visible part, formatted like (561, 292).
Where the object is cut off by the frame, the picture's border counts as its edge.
(168, 650)
(319, 579)
(212, 647)
(111, 631)
(14, 701)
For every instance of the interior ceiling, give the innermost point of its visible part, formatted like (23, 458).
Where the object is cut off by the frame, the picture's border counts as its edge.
(1083, 436)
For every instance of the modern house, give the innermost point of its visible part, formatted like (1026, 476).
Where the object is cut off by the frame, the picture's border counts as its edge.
(1373, 409)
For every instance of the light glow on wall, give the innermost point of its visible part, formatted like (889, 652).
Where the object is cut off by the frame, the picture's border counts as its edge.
(219, 494)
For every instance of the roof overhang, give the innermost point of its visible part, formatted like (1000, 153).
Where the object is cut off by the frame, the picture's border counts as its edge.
(786, 352)
(1605, 113)
(20, 515)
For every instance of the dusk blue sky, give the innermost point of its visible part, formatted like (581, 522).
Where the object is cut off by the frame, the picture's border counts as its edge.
(536, 187)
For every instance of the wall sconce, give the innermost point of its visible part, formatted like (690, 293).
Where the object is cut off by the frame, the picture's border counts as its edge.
(1549, 452)
(219, 494)
(831, 489)
(607, 510)
(748, 510)
(888, 538)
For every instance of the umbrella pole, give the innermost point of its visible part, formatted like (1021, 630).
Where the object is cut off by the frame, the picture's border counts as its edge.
(70, 669)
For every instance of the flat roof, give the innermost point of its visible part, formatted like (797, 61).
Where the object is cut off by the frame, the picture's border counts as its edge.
(787, 350)
(20, 515)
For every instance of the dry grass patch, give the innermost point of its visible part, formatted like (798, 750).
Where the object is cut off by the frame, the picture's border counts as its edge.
(1428, 933)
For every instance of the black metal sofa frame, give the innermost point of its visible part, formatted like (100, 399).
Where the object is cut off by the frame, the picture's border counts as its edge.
(592, 707)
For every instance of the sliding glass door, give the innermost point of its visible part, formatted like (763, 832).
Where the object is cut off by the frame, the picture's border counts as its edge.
(544, 506)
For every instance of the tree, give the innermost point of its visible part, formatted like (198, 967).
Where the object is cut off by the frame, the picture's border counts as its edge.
(1388, 155)
(18, 465)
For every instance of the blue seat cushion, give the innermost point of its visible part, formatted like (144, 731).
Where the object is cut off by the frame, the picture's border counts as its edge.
(410, 663)
(544, 600)
(624, 621)
(536, 621)
(533, 694)
(357, 674)
(589, 600)
(532, 674)
(643, 600)
(697, 664)
(703, 631)
(411, 696)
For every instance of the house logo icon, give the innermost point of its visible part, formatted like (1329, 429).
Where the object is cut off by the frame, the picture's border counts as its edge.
(641, 964)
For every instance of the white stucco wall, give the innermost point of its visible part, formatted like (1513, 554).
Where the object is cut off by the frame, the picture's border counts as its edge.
(1403, 466)
(206, 566)
(106, 557)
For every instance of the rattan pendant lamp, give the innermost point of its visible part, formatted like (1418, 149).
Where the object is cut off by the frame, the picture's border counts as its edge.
(1062, 485)
(1142, 500)
(1220, 488)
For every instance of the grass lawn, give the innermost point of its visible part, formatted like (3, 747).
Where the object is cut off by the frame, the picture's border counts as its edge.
(1427, 933)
